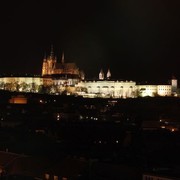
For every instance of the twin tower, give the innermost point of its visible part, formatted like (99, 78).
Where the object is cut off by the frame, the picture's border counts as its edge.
(102, 76)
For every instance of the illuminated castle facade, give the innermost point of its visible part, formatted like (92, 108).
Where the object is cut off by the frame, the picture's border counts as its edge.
(66, 78)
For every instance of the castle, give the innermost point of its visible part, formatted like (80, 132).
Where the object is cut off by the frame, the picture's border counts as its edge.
(68, 75)
(61, 77)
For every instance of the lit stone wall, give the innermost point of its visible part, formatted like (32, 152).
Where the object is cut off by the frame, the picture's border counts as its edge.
(147, 90)
(25, 84)
(99, 88)
(65, 82)
(47, 81)
(154, 90)
(19, 80)
(118, 89)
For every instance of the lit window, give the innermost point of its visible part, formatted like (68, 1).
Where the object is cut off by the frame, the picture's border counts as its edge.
(47, 176)
(64, 178)
(55, 177)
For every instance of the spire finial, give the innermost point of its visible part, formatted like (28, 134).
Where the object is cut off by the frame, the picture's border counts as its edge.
(52, 51)
(45, 56)
(62, 60)
(101, 74)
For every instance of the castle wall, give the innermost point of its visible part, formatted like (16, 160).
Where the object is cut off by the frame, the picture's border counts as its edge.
(154, 90)
(25, 84)
(119, 89)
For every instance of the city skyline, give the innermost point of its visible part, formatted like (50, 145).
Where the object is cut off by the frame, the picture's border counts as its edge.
(136, 41)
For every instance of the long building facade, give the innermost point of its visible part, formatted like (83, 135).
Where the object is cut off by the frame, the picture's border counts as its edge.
(107, 88)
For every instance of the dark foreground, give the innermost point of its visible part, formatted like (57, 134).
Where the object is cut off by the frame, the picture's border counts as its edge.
(75, 138)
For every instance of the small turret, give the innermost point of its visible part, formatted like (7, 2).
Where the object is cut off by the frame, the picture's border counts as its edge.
(82, 75)
(108, 75)
(101, 75)
(52, 52)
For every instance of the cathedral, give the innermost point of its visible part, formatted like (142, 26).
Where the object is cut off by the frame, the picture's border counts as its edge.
(51, 67)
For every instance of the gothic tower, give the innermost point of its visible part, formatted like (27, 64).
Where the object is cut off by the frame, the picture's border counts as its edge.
(44, 66)
(49, 64)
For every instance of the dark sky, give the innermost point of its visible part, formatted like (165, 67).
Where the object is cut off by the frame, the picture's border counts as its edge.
(136, 39)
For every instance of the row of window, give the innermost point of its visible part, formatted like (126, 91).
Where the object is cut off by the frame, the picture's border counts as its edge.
(107, 87)
(148, 177)
(48, 177)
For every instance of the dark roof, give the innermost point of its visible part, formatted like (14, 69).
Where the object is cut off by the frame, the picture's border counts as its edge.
(69, 76)
(20, 75)
(155, 82)
(16, 164)
(68, 167)
(7, 158)
(66, 66)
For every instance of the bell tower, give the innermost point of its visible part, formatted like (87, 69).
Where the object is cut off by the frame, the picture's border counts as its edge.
(44, 66)
(51, 62)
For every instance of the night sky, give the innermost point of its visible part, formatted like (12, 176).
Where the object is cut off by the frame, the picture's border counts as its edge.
(136, 39)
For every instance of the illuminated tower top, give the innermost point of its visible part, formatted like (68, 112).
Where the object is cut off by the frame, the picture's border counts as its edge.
(108, 74)
(52, 52)
(101, 75)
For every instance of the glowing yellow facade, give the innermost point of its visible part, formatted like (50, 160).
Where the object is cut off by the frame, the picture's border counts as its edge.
(60, 78)
(154, 90)
(107, 88)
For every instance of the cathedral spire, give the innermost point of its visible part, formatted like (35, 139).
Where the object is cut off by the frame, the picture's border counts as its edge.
(52, 51)
(44, 57)
(62, 60)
